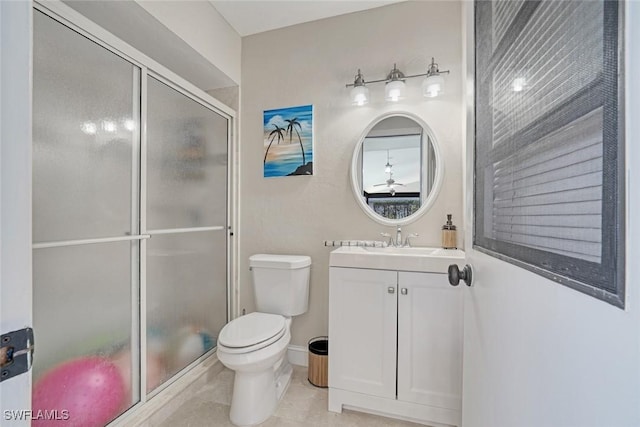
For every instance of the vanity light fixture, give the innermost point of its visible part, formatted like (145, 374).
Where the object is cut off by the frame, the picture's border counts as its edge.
(359, 93)
(394, 88)
(90, 128)
(432, 86)
(109, 126)
(130, 125)
(518, 84)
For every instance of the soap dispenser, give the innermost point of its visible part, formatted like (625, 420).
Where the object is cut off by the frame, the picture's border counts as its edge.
(449, 234)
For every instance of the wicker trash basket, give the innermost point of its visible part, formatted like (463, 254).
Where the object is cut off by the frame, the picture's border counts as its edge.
(319, 361)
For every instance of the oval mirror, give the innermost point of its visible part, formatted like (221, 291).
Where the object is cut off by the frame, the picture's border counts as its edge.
(396, 171)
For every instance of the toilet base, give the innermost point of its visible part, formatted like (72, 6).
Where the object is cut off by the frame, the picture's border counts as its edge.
(283, 378)
(256, 394)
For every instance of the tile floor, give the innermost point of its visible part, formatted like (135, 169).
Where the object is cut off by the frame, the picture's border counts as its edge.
(302, 405)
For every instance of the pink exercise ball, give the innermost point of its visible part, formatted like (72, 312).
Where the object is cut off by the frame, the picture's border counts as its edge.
(88, 389)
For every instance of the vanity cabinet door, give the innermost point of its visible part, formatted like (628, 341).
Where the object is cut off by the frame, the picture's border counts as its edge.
(363, 330)
(429, 340)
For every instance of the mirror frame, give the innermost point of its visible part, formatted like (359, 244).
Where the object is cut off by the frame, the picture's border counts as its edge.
(437, 183)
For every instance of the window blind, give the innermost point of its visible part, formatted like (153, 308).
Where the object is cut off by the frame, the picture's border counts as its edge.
(549, 195)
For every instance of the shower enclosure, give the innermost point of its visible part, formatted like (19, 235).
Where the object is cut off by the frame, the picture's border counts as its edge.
(130, 224)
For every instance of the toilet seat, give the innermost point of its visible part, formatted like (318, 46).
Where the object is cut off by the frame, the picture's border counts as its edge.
(251, 332)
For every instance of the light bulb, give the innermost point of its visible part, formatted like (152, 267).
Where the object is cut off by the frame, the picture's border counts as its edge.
(518, 84)
(433, 86)
(89, 128)
(129, 125)
(387, 168)
(109, 126)
(394, 90)
(360, 95)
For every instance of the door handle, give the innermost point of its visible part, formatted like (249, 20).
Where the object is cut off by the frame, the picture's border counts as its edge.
(455, 275)
(404, 291)
(391, 290)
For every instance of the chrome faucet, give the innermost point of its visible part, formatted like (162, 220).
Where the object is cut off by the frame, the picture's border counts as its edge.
(398, 243)
(390, 242)
(407, 241)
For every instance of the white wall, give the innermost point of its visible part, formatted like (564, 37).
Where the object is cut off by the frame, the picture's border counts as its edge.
(190, 38)
(310, 64)
(200, 25)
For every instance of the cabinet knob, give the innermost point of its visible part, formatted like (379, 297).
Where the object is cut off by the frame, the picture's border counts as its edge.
(404, 291)
(391, 290)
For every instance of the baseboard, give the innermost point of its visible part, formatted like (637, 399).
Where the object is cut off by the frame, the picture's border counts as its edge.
(298, 355)
(391, 407)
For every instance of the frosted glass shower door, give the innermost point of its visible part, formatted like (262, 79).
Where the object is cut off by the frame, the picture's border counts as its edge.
(186, 216)
(86, 103)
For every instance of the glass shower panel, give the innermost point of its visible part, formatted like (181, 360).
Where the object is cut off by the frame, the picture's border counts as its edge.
(186, 161)
(186, 299)
(86, 103)
(85, 122)
(82, 319)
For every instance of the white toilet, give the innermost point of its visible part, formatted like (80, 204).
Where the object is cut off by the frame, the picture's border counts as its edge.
(255, 345)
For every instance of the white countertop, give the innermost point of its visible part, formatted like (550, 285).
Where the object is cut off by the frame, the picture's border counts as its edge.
(420, 259)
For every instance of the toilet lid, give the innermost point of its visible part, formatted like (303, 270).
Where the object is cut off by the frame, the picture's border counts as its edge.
(251, 329)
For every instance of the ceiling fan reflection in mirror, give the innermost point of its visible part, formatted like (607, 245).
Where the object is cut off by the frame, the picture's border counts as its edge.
(390, 184)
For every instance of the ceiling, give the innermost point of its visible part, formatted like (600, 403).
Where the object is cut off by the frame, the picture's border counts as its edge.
(256, 16)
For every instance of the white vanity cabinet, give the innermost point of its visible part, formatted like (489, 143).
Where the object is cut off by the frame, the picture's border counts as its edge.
(395, 344)
(363, 307)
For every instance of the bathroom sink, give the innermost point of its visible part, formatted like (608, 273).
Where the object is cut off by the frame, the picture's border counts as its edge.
(420, 259)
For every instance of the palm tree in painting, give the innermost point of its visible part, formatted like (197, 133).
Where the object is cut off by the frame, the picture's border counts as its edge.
(276, 134)
(291, 127)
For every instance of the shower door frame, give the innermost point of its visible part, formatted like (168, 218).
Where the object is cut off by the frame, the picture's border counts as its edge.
(152, 69)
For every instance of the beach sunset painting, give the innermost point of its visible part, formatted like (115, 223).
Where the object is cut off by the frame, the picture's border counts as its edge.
(288, 141)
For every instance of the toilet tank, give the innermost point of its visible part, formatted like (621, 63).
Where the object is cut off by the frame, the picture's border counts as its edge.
(281, 283)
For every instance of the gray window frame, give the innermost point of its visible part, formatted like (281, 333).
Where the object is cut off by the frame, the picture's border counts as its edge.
(603, 280)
